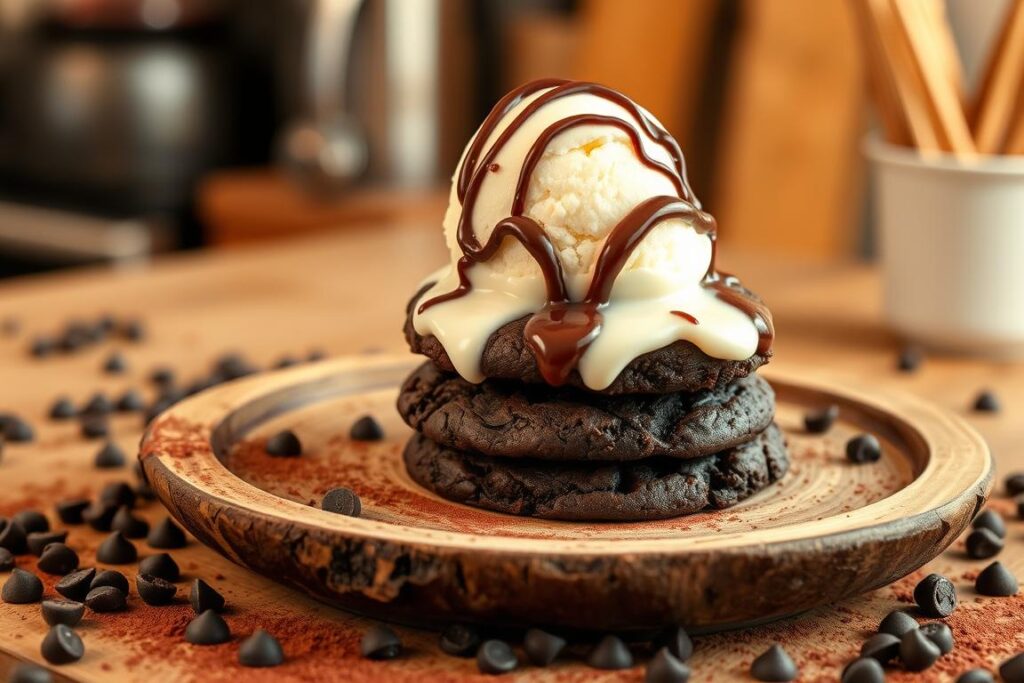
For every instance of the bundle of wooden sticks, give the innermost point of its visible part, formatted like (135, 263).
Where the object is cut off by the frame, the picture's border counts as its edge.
(918, 84)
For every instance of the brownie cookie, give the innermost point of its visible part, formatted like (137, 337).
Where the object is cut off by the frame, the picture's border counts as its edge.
(655, 488)
(680, 366)
(522, 420)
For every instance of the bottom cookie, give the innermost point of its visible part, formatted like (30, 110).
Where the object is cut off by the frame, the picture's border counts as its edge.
(655, 488)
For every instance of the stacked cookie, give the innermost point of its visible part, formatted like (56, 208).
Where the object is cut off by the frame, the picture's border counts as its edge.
(677, 432)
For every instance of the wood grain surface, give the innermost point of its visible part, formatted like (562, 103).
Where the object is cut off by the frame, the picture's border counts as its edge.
(345, 293)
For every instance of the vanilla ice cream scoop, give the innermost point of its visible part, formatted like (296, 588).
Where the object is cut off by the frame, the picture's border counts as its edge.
(571, 204)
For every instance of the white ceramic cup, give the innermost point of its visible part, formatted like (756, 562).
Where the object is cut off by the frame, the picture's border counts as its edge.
(952, 241)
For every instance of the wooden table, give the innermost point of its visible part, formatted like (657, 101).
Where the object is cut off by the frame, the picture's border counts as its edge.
(345, 293)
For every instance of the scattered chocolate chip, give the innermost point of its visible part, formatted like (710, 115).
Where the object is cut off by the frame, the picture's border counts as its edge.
(115, 364)
(917, 651)
(204, 598)
(665, 667)
(936, 596)
(366, 428)
(128, 524)
(233, 365)
(99, 404)
(496, 657)
(884, 647)
(939, 633)
(62, 645)
(133, 330)
(22, 588)
(6, 560)
(105, 599)
(678, 642)
(820, 421)
(897, 623)
(286, 362)
(991, 520)
(996, 580)
(611, 653)
(542, 647)
(131, 401)
(1014, 483)
(100, 515)
(30, 673)
(153, 590)
(863, 670)
(209, 628)
(863, 448)
(116, 549)
(118, 493)
(16, 430)
(70, 511)
(10, 326)
(260, 650)
(160, 565)
(380, 642)
(166, 536)
(43, 346)
(910, 359)
(342, 501)
(95, 427)
(284, 445)
(37, 541)
(109, 456)
(982, 544)
(111, 578)
(975, 676)
(162, 376)
(774, 664)
(67, 612)
(12, 536)
(986, 402)
(460, 640)
(63, 409)
(76, 585)
(315, 355)
(58, 559)
(1012, 670)
(32, 521)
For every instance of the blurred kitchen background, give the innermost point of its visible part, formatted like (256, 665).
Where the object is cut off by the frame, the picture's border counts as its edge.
(134, 127)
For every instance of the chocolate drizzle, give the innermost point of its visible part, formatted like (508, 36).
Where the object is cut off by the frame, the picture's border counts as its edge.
(562, 330)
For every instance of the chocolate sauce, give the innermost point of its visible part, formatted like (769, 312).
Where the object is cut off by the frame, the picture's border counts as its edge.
(685, 316)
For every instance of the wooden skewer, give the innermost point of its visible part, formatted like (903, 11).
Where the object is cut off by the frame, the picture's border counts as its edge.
(945, 45)
(997, 97)
(880, 80)
(1015, 139)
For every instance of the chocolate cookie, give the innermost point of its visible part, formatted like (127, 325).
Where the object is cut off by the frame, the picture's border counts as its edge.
(655, 488)
(680, 366)
(530, 420)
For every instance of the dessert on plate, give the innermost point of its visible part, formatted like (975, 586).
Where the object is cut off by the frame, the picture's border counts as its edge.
(586, 360)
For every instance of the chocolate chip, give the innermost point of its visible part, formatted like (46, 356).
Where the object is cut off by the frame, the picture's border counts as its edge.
(366, 428)
(115, 364)
(380, 642)
(133, 330)
(884, 647)
(991, 520)
(70, 511)
(986, 402)
(6, 560)
(665, 667)
(678, 642)
(95, 427)
(459, 640)
(917, 651)
(863, 670)
(98, 404)
(130, 401)
(820, 421)
(32, 521)
(12, 536)
(116, 549)
(260, 650)
(611, 653)
(233, 365)
(128, 524)
(63, 409)
(76, 585)
(1014, 483)
(897, 623)
(542, 647)
(996, 580)
(119, 494)
(160, 565)
(22, 588)
(209, 628)
(16, 430)
(910, 359)
(109, 456)
(286, 362)
(43, 346)
(162, 376)
(153, 590)
(284, 445)
(315, 355)
(936, 596)
(10, 326)
(105, 599)
(863, 448)
(111, 578)
(67, 612)
(343, 502)
(58, 559)
(37, 541)
(100, 515)
(30, 673)
(975, 676)
(982, 544)
(62, 645)
(204, 598)
(1012, 670)
(496, 657)
(940, 634)
(774, 664)
(166, 535)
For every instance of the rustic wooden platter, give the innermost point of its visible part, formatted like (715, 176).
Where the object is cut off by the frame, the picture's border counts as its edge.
(829, 530)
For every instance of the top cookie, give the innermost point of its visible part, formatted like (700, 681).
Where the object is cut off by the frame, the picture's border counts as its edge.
(680, 366)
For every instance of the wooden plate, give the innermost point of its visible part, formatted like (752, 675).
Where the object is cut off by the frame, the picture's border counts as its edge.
(829, 530)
